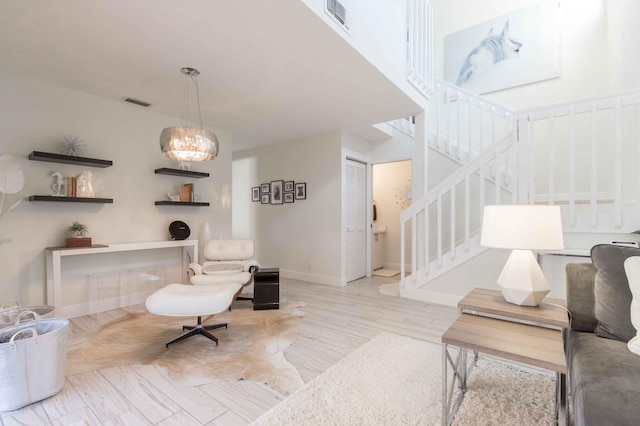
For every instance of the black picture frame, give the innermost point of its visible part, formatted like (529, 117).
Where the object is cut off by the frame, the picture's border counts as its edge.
(288, 197)
(301, 191)
(255, 194)
(277, 196)
(265, 199)
(288, 186)
(264, 188)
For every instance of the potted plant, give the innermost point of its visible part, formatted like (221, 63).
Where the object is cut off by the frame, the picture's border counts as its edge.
(78, 238)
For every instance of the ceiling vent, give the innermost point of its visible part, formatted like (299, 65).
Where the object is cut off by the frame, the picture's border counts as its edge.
(137, 102)
(340, 12)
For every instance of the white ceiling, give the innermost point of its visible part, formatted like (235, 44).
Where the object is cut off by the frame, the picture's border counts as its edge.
(271, 70)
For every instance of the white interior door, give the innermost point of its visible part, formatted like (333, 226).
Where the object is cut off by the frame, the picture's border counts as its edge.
(355, 220)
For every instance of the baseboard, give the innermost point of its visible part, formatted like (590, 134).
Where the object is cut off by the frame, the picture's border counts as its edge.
(313, 278)
(91, 308)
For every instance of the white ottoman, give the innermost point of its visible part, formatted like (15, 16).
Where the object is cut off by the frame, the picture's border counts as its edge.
(180, 300)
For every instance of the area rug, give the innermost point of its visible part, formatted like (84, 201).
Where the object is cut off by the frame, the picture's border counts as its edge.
(251, 348)
(385, 272)
(396, 380)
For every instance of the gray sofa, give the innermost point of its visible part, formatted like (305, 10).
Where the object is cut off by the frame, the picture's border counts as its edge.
(604, 375)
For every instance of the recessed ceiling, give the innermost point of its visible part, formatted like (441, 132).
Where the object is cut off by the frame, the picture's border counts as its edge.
(271, 70)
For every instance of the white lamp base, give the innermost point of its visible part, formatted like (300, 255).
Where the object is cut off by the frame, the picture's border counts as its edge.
(521, 280)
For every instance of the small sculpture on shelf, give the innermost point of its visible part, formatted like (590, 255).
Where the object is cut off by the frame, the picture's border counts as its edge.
(72, 145)
(58, 185)
(84, 188)
(184, 165)
(174, 197)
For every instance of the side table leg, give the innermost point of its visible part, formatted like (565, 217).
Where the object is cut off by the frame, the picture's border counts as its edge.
(561, 414)
(459, 376)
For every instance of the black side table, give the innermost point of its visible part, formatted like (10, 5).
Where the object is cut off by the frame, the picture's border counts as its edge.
(266, 289)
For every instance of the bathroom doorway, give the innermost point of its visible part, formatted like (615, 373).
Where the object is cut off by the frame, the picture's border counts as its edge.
(391, 191)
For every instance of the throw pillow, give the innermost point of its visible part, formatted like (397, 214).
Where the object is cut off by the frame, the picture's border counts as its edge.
(222, 268)
(632, 268)
(611, 291)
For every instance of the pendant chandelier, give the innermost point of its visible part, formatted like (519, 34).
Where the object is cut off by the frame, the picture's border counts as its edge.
(189, 143)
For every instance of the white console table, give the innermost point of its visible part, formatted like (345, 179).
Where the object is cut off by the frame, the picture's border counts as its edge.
(54, 257)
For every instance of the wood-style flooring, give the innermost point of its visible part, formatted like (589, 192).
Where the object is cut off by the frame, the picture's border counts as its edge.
(337, 320)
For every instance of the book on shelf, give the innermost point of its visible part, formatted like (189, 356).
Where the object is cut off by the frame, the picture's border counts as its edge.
(71, 186)
(186, 192)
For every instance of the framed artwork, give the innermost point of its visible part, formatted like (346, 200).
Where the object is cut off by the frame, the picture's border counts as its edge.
(264, 188)
(301, 191)
(264, 199)
(255, 193)
(288, 197)
(511, 50)
(276, 192)
(288, 186)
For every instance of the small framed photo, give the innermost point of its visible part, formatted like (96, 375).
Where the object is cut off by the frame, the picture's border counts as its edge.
(288, 197)
(264, 188)
(255, 193)
(264, 199)
(301, 191)
(288, 186)
(276, 192)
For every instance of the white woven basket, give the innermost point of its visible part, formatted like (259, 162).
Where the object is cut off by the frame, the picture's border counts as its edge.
(32, 361)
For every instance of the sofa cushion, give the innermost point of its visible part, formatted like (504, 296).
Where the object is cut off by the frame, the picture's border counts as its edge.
(632, 268)
(612, 294)
(605, 378)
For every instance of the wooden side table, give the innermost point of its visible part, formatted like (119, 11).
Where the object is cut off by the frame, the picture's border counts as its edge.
(493, 326)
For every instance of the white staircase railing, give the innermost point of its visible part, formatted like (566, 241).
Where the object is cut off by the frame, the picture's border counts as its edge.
(583, 155)
(461, 124)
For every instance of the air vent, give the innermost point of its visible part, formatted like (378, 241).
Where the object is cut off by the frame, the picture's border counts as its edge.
(338, 10)
(137, 102)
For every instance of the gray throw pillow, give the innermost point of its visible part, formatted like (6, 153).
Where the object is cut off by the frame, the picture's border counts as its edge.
(612, 293)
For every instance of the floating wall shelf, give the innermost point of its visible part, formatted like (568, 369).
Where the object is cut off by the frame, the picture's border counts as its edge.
(181, 203)
(179, 172)
(69, 159)
(70, 199)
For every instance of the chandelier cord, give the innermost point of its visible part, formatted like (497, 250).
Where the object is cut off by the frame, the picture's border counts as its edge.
(197, 98)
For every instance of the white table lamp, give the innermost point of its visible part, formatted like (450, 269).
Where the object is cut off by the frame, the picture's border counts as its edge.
(522, 228)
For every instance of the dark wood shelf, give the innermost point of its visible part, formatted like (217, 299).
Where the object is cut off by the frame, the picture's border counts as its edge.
(69, 159)
(179, 172)
(71, 199)
(181, 203)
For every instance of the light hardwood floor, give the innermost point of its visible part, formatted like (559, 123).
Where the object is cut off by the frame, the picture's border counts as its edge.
(336, 322)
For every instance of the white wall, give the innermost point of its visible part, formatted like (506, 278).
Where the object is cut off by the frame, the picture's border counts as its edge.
(379, 32)
(34, 116)
(302, 238)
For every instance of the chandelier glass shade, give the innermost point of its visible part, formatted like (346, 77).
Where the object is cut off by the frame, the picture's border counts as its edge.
(189, 143)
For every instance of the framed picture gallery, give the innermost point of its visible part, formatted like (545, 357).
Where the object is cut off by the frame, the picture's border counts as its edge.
(279, 192)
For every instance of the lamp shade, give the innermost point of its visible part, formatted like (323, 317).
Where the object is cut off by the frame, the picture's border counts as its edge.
(189, 144)
(522, 227)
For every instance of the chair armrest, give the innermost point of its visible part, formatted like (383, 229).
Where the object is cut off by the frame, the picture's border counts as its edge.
(195, 268)
(251, 265)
